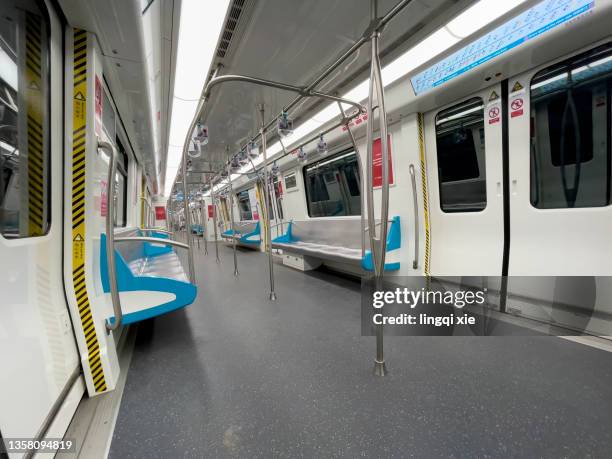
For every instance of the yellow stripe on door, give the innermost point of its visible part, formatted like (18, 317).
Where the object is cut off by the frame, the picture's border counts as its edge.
(421, 122)
(79, 134)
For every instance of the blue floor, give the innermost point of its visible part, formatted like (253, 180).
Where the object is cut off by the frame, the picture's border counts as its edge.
(235, 375)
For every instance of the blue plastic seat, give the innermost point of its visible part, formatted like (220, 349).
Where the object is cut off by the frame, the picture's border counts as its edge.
(146, 272)
(252, 238)
(394, 242)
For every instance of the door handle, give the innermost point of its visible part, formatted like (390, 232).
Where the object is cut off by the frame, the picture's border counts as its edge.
(110, 236)
(415, 261)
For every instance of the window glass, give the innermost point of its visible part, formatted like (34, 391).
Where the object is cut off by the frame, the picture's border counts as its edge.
(244, 205)
(570, 132)
(108, 116)
(332, 186)
(25, 209)
(278, 195)
(290, 181)
(460, 144)
(120, 216)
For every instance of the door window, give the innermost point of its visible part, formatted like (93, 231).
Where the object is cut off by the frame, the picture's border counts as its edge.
(244, 204)
(570, 132)
(120, 217)
(460, 144)
(332, 186)
(25, 208)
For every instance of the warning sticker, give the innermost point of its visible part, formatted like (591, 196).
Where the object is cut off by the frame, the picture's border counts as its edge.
(494, 114)
(493, 96)
(516, 107)
(517, 87)
(79, 108)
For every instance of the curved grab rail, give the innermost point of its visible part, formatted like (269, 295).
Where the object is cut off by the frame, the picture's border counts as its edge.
(377, 242)
(110, 236)
(302, 91)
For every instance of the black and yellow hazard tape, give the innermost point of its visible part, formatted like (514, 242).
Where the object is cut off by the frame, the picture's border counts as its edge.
(421, 122)
(35, 131)
(79, 133)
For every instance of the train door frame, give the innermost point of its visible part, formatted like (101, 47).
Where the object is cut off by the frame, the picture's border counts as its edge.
(539, 233)
(471, 242)
(45, 402)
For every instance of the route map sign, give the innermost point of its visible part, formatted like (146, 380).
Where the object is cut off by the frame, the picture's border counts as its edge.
(533, 22)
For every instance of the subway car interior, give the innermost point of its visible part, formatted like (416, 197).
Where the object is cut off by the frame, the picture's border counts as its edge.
(322, 228)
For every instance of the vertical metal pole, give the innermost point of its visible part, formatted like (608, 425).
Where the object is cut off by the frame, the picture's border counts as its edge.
(214, 203)
(187, 217)
(204, 227)
(378, 244)
(267, 201)
(231, 212)
(168, 210)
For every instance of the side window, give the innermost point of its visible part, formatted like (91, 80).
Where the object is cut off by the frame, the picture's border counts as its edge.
(460, 144)
(332, 186)
(120, 217)
(244, 204)
(25, 205)
(570, 132)
(278, 194)
(290, 181)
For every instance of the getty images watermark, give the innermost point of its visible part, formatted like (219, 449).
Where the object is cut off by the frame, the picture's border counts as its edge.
(483, 306)
(411, 299)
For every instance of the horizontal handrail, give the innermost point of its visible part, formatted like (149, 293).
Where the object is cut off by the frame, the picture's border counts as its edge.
(157, 230)
(154, 240)
(302, 91)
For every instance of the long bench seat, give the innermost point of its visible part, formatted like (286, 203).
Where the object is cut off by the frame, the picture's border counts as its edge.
(337, 240)
(246, 233)
(150, 279)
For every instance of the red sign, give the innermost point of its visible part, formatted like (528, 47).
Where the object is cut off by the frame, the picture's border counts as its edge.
(516, 104)
(103, 199)
(357, 121)
(517, 107)
(160, 213)
(494, 115)
(211, 211)
(377, 163)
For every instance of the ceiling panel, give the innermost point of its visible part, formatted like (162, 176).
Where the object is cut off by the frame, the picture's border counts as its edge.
(293, 42)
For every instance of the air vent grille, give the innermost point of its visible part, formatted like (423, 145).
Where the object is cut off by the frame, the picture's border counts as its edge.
(230, 27)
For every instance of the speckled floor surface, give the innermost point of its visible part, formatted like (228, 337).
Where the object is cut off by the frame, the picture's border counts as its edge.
(234, 375)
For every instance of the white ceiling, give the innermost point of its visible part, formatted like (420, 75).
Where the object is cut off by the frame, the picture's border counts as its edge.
(293, 42)
(141, 82)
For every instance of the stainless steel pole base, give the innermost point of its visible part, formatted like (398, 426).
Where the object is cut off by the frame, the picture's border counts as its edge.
(272, 296)
(236, 273)
(380, 368)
